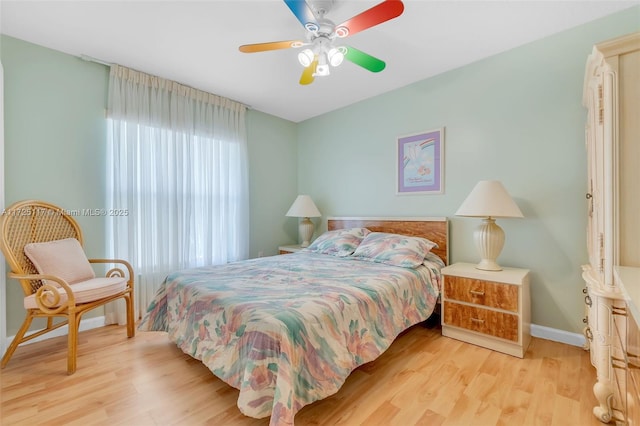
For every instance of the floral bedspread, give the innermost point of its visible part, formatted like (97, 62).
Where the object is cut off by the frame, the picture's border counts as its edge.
(288, 330)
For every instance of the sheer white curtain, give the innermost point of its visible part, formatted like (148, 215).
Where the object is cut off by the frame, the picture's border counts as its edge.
(177, 184)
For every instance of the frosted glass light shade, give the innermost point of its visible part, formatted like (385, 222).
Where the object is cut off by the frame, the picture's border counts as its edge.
(304, 207)
(335, 57)
(489, 199)
(305, 57)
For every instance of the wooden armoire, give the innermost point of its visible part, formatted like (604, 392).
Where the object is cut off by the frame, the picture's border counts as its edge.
(612, 276)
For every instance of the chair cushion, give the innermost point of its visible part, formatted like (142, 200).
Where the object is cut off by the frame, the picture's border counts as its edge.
(62, 258)
(85, 291)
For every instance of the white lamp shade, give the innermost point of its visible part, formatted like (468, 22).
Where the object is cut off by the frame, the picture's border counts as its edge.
(303, 206)
(489, 198)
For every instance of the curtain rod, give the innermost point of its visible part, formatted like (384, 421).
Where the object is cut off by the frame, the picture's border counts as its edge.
(99, 61)
(90, 59)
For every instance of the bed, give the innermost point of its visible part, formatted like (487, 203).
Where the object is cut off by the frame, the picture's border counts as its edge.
(288, 330)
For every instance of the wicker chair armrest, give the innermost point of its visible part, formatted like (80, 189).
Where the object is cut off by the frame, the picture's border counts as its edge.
(36, 277)
(71, 298)
(117, 261)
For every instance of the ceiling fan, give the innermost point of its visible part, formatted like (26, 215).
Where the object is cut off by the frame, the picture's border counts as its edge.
(320, 51)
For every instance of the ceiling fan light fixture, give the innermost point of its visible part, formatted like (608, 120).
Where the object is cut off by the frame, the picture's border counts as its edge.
(306, 57)
(322, 70)
(335, 56)
(321, 32)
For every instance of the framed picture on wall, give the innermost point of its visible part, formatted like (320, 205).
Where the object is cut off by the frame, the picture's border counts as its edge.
(419, 163)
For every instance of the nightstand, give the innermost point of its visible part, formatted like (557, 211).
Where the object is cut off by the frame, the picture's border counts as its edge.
(491, 309)
(289, 249)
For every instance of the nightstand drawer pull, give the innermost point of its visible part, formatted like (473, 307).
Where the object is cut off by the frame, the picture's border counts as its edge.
(477, 320)
(477, 293)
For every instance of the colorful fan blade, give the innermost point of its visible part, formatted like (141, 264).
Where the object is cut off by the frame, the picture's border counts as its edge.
(378, 14)
(274, 45)
(307, 74)
(302, 11)
(365, 60)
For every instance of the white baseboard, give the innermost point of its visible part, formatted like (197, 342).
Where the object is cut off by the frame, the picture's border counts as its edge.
(548, 333)
(85, 324)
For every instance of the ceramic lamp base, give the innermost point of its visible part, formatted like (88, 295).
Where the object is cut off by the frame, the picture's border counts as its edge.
(489, 240)
(306, 231)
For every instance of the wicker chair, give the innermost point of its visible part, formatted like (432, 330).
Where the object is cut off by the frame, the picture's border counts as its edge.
(48, 295)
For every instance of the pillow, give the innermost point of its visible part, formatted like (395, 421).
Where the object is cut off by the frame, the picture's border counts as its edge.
(62, 258)
(431, 258)
(341, 242)
(394, 249)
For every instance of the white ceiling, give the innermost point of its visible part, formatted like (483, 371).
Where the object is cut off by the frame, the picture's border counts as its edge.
(196, 42)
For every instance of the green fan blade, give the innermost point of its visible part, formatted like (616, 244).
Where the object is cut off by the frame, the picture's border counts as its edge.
(365, 60)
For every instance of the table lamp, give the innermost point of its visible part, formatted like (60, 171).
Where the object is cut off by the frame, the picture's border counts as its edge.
(489, 200)
(304, 207)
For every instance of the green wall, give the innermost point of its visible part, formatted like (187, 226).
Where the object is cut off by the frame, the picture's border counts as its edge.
(55, 139)
(273, 162)
(516, 117)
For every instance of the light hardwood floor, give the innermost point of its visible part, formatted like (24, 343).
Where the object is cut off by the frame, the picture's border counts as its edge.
(424, 378)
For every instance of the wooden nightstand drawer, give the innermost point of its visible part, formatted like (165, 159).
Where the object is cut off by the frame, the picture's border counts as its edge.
(487, 308)
(485, 321)
(481, 292)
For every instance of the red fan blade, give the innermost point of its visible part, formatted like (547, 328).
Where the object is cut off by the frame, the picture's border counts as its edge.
(378, 14)
(274, 45)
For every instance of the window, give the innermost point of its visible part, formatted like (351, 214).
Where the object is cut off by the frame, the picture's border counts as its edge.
(177, 185)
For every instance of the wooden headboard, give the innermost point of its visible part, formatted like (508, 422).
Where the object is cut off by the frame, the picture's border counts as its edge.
(435, 229)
